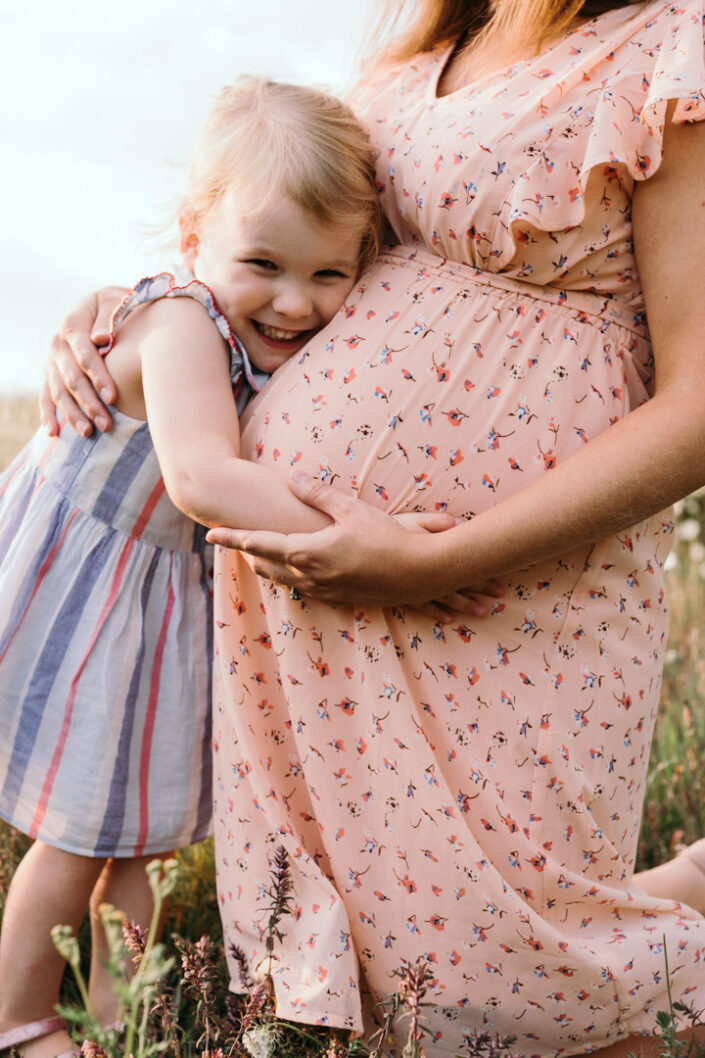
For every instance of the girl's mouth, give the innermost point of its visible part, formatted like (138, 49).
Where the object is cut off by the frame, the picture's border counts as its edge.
(277, 335)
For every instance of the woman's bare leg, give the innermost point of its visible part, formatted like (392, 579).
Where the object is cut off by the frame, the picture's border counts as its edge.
(682, 878)
(122, 883)
(50, 887)
(645, 1046)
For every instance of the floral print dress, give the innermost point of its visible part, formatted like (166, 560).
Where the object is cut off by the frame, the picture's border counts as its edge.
(471, 794)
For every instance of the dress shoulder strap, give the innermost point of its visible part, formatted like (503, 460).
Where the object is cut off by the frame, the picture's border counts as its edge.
(246, 380)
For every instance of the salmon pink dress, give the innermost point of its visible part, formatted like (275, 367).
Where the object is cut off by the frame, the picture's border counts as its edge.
(471, 794)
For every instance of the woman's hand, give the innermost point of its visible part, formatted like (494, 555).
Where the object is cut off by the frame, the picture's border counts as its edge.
(77, 380)
(464, 600)
(366, 556)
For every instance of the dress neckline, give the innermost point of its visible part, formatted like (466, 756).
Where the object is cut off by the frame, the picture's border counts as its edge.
(446, 55)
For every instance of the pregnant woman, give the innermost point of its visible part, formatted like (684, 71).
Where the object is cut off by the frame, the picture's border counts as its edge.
(468, 791)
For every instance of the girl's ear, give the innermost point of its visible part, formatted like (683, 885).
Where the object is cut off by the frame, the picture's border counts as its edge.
(189, 241)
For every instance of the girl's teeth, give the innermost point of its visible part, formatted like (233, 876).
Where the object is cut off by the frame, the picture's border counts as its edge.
(279, 336)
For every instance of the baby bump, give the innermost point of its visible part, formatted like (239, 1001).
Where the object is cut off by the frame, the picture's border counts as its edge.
(437, 387)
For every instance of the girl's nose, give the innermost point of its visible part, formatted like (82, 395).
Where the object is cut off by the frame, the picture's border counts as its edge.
(293, 300)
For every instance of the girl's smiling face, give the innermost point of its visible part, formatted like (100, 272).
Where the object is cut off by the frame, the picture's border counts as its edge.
(278, 278)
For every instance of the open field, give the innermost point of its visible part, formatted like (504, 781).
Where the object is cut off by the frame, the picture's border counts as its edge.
(19, 418)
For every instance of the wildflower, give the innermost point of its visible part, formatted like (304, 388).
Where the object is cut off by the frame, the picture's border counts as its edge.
(90, 1049)
(259, 1041)
(135, 939)
(242, 965)
(66, 945)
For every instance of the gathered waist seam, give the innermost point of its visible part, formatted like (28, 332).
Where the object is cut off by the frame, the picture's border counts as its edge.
(601, 308)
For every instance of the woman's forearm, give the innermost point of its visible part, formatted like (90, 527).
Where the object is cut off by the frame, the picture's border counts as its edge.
(632, 470)
(629, 472)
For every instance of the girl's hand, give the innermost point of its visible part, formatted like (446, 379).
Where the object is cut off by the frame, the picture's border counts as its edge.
(77, 381)
(365, 556)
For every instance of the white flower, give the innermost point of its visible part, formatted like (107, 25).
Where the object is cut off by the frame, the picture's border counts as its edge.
(259, 1041)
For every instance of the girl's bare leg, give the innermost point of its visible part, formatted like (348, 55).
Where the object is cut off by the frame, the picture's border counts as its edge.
(682, 878)
(49, 887)
(122, 883)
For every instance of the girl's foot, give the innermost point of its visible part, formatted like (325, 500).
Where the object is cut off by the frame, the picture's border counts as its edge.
(46, 1038)
(682, 878)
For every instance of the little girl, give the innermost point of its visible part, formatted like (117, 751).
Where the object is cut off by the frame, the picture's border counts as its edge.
(105, 592)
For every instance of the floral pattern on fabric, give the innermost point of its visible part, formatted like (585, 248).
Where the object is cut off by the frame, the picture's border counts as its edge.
(471, 793)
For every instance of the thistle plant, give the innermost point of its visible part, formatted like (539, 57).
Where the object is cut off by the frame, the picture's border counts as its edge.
(280, 893)
(139, 993)
(180, 1007)
(667, 1027)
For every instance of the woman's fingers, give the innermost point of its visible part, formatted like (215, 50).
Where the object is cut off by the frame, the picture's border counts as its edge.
(494, 588)
(70, 390)
(48, 408)
(317, 494)
(77, 380)
(262, 543)
(426, 522)
(466, 601)
(104, 303)
(269, 569)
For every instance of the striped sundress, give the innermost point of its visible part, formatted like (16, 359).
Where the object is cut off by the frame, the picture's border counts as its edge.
(106, 636)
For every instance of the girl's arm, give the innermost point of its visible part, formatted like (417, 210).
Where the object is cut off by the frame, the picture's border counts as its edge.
(192, 420)
(635, 468)
(195, 429)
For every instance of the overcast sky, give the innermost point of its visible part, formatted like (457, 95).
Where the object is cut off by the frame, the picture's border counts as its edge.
(100, 104)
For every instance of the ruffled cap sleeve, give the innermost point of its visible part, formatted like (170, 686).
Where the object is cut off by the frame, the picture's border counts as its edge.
(246, 380)
(663, 61)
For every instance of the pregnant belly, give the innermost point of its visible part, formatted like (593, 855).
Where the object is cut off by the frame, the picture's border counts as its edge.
(440, 388)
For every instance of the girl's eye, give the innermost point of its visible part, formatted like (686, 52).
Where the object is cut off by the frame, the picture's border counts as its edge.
(330, 273)
(262, 262)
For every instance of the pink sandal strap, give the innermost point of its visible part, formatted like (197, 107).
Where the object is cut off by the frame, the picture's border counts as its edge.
(33, 1030)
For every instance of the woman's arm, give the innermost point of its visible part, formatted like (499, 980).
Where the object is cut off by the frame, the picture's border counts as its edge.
(633, 469)
(77, 381)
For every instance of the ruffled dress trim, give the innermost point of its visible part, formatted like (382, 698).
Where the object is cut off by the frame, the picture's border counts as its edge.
(245, 379)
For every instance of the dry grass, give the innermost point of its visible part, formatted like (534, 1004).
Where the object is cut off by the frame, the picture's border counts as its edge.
(19, 418)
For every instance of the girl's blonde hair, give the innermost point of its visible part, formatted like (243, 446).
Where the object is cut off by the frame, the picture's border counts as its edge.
(264, 139)
(523, 26)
